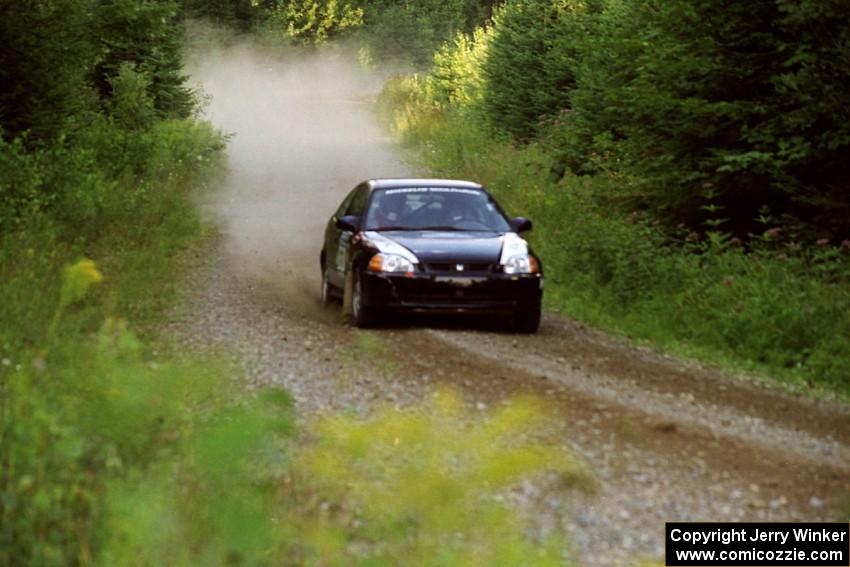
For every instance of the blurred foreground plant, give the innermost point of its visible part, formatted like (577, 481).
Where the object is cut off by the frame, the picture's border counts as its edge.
(420, 487)
(77, 278)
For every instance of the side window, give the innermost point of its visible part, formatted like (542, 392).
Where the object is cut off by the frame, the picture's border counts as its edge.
(356, 205)
(341, 211)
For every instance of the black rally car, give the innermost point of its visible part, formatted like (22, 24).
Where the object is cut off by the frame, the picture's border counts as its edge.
(429, 244)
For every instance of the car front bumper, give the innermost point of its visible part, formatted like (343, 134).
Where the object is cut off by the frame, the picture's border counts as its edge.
(431, 292)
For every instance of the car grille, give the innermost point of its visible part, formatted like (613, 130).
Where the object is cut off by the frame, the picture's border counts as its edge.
(452, 268)
(456, 295)
(444, 293)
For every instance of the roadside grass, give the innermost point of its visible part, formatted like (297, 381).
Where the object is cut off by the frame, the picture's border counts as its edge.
(770, 307)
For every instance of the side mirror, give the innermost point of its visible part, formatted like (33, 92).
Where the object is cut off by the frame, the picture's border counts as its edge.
(350, 223)
(521, 224)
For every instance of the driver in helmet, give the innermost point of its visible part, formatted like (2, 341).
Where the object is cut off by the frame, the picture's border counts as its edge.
(386, 211)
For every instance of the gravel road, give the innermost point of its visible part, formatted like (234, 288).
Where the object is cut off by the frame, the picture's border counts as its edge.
(665, 440)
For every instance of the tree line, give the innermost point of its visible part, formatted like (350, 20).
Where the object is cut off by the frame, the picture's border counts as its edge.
(718, 115)
(87, 91)
(64, 62)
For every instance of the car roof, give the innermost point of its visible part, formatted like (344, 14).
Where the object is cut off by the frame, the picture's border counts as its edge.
(400, 182)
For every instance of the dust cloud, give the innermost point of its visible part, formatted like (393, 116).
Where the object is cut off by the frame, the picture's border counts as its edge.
(303, 134)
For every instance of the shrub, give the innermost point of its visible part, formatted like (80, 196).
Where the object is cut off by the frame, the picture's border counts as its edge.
(457, 77)
(689, 99)
(530, 63)
(314, 21)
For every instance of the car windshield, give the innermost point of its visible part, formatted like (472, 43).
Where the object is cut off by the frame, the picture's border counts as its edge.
(434, 208)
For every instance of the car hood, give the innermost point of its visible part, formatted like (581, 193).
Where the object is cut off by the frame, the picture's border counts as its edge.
(450, 246)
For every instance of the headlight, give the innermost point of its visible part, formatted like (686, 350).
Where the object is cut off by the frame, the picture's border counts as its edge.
(524, 264)
(391, 263)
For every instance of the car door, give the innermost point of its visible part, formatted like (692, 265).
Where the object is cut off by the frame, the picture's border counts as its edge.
(337, 241)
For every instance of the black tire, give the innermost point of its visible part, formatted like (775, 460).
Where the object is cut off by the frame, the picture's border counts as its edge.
(364, 316)
(526, 318)
(328, 296)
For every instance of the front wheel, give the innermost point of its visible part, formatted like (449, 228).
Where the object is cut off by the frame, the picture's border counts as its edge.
(327, 294)
(364, 315)
(526, 317)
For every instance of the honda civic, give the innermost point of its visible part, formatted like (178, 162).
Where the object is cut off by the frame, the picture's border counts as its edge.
(438, 245)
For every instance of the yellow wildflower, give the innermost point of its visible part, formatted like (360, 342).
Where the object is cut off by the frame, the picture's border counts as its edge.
(77, 280)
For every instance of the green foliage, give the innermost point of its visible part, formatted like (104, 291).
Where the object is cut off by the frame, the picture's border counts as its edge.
(724, 97)
(80, 407)
(147, 36)
(47, 180)
(315, 21)
(92, 433)
(243, 15)
(76, 179)
(408, 33)
(86, 214)
(84, 87)
(131, 104)
(409, 106)
(58, 58)
(530, 61)
(457, 78)
(417, 487)
(211, 502)
(20, 181)
(401, 34)
(46, 50)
